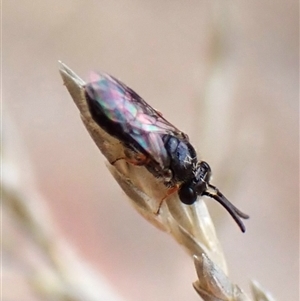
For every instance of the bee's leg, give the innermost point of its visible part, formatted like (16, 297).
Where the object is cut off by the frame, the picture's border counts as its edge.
(133, 157)
(169, 192)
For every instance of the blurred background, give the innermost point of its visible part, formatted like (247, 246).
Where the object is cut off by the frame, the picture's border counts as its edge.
(225, 72)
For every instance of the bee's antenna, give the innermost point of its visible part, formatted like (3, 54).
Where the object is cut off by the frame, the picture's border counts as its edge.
(232, 210)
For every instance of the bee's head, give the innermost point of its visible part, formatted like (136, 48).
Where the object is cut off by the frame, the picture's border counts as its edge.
(199, 186)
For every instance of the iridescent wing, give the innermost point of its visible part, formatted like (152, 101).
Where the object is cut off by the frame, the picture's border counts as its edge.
(124, 114)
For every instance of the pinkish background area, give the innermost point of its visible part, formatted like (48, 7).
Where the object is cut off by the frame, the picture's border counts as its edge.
(225, 72)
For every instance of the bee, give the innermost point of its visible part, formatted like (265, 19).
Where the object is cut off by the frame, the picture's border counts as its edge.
(151, 141)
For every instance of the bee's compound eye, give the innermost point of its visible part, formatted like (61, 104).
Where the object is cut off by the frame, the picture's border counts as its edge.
(187, 194)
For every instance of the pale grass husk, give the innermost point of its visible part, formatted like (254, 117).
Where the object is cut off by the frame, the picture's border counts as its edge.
(49, 265)
(191, 226)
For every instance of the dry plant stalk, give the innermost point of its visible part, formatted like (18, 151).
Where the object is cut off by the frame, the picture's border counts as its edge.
(60, 274)
(191, 226)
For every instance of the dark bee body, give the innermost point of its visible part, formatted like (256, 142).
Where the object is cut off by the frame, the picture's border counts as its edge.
(151, 141)
(183, 158)
(141, 129)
